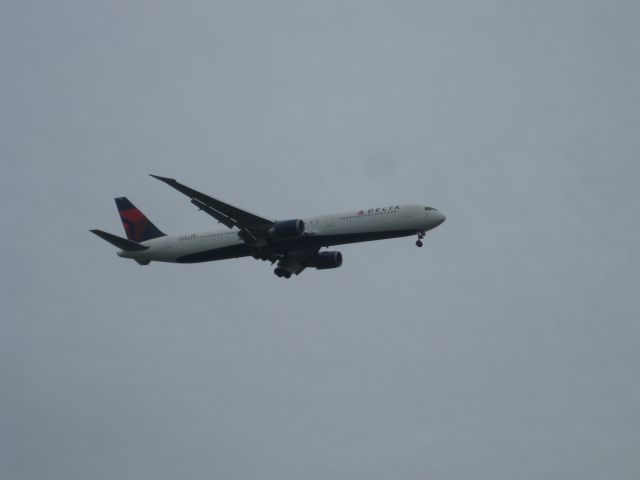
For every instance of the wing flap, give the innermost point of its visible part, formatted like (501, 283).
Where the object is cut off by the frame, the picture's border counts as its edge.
(214, 213)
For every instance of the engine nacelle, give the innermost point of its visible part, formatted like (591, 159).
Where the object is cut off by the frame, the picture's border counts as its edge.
(326, 260)
(287, 229)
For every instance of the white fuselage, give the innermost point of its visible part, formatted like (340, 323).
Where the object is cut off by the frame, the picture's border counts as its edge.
(320, 231)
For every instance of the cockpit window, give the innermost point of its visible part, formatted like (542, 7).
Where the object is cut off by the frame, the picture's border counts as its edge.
(429, 208)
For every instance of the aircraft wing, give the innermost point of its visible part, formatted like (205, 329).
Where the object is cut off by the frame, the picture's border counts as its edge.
(253, 225)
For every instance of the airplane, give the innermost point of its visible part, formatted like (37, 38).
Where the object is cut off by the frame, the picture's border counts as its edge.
(292, 244)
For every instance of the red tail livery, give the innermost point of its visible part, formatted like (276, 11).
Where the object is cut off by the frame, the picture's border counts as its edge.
(137, 227)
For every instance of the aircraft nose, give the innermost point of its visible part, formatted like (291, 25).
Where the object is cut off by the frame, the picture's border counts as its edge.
(439, 217)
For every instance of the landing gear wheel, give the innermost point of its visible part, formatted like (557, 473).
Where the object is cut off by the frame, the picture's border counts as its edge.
(281, 272)
(419, 243)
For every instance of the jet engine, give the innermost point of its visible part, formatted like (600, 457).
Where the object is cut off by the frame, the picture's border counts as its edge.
(326, 260)
(287, 229)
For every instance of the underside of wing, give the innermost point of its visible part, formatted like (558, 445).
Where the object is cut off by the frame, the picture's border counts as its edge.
(226, 214)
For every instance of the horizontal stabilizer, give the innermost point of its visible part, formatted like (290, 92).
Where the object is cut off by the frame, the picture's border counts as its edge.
(119, 242)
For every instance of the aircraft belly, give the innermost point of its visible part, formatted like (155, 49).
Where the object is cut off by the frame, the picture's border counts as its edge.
(220, 253)
(357, 237)
(192, 248)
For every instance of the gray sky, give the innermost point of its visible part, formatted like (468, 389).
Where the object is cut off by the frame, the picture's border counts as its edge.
(507, 348)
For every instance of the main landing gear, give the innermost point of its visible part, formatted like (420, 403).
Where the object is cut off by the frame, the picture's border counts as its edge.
(420, 237)
(281, 272)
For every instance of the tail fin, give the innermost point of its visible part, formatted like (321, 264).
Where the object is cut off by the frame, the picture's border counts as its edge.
(137, 227)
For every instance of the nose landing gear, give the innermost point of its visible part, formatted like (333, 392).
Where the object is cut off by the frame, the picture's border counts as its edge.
(420, 237)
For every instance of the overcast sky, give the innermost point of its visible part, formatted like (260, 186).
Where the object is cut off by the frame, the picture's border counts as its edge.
(508, 347)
